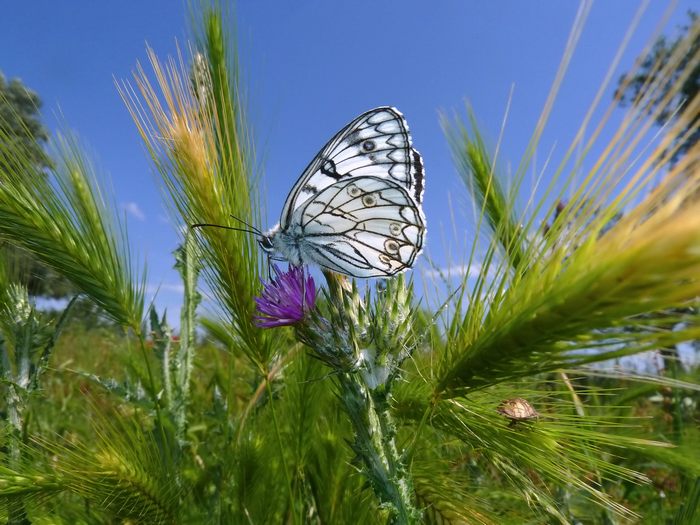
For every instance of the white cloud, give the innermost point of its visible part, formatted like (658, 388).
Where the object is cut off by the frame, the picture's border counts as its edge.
(133, 209)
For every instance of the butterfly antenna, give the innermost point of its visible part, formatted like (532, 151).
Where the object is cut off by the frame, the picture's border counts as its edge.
(206, 224)
(244, 223)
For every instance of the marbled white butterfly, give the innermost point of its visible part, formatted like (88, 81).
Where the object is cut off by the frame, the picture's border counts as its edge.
(356, 209)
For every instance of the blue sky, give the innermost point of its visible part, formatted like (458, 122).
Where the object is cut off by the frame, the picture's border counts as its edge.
(310, 67)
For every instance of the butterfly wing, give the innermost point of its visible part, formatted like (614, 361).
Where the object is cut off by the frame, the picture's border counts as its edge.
(361, 226)
(377, 143)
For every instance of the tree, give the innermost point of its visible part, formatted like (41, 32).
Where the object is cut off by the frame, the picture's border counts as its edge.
(22, 132)
(630, 86)
(20, 121)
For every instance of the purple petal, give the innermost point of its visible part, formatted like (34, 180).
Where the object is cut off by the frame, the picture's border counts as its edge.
(286, 298)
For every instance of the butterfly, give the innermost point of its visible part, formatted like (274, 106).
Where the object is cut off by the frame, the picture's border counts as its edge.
(356, 209)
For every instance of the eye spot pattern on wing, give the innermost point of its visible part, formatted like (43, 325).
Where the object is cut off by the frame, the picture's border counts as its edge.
(369, 200)
(365, 253)
(391, 246)
(377, 144)
(366, 203)
(364, 227)
(382, 148)
(353, 191)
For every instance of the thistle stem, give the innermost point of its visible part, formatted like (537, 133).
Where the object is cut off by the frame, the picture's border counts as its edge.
(366, 401)
(182, 366)
(375, 446)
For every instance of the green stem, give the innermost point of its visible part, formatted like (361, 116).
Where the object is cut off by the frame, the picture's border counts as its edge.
(15, 415)
(152, 384)
(283, 460)
(15, 407)
(367, 405)
(376, 447)
(189, 270)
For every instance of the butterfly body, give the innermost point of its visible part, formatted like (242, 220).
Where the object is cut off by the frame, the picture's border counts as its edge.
(286, 245)
(356, 209)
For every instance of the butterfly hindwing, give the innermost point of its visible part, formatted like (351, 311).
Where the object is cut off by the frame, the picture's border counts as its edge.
(377, 143)
(363, 226)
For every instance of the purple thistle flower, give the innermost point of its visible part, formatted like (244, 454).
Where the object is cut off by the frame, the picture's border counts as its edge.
(286, 298)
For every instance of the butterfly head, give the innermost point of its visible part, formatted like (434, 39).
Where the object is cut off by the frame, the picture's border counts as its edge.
(266, 244)
(279, 244)
(268, 241)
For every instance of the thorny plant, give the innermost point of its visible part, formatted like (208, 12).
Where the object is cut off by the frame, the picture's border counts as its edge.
(273, 424)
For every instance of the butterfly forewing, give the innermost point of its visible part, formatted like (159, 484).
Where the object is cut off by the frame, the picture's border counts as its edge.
(362, 226)
(377, 143)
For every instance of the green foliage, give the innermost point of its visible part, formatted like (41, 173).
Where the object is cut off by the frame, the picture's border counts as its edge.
(65, 223)
(204, 154)
(27, 340)
(477, 170)
(19, 116)
(40, 279)
(653, 67)
(25, 136)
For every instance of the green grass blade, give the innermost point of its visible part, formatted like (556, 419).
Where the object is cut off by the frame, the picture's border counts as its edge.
(193, 122)
(65, 222)
(477, 170)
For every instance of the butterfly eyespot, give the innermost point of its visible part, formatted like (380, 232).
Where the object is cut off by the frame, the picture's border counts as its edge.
(384, 258)
(368, 145)
(369, 200)
(395, 228)
(354, 191)
(391, 246)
